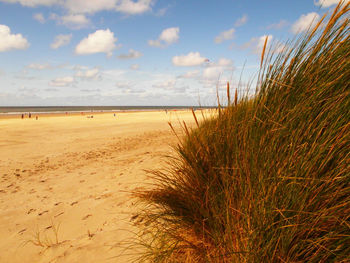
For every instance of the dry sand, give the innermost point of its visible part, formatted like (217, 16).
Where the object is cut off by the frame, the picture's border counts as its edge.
(75, 173)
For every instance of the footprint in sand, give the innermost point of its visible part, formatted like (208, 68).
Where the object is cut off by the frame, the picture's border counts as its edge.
(59, 214)
(90, 235)
(43, 212)
(86, 217)
(31, 211)
(74, 203)
(22, 231)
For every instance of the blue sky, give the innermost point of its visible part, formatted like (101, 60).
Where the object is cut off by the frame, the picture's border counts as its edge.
(138, 52)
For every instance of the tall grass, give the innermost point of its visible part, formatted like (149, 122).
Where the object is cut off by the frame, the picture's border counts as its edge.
(268, 179)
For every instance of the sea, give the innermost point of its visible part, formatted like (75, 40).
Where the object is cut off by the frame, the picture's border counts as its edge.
(74, 109)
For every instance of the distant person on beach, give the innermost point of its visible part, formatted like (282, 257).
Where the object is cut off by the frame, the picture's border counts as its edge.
(36, 117)
(22, 116)
(30, 115)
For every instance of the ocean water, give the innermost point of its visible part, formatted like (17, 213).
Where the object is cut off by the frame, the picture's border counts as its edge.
(62, 109)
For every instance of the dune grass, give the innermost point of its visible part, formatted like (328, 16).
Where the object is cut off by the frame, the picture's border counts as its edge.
(268, 178)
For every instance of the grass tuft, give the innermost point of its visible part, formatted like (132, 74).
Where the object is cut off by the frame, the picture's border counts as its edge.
(43, 239)
(267, 179)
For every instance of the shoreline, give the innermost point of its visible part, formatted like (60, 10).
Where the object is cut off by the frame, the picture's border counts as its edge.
(17, 115)
(37, 109)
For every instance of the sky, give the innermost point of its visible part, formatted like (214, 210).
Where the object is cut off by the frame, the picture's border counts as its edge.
(139, 52)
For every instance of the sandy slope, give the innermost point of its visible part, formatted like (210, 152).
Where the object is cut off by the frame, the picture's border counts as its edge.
(75, 173)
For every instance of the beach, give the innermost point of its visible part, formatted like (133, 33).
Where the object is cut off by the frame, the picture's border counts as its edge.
(66, 182)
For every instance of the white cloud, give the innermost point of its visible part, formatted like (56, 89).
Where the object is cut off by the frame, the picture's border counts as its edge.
(129, 7)
(328, 3)
(62, 82)
(167, 37)
(170, 35)
(73, 21)
(90, 6)
(124, 6)
(281, 24)
(226, 35)
(39, 17)
(191, 59)
(133, 8)
(132, 54)
(135, 67)
(38, 66)
(212, 73)
(190, 74)
(305, 22)
(33, 3)
(224, 62)
(10, 41)
(61, 40)
(213, 70)
(241, 21)
(89, 74)
(102, 41)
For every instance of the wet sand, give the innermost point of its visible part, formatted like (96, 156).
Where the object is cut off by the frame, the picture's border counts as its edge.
(75, 174)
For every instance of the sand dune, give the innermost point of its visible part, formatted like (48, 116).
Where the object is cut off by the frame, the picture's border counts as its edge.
(72, 175)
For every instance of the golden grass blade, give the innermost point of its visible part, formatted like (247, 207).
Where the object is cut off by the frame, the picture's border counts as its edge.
(228, 94)
(263, 52)
(195, 117)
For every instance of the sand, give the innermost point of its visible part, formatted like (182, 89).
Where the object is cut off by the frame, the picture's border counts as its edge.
(65, 183)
